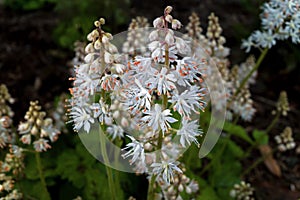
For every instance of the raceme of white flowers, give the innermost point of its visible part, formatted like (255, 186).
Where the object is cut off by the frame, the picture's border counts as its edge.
(149, 97)
(280, 20)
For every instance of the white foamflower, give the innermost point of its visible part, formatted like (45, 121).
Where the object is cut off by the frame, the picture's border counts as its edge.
(165, 171)
(188, 132)
(158, 118)
(136, 151)
(162, 81)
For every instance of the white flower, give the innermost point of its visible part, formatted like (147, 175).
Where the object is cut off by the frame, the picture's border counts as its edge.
(158, 22)
(87, 83)
(182, 46)
(188, 132)
(162, 81)
(108, 58)
(189, 100)
(136, 151)
(115, 131)
(41, 145)
(169, 37)
(153, 35)
(26, 139)
(138, 98)
(165, 171)
(81, 117)
(156, 118)
(102, 112)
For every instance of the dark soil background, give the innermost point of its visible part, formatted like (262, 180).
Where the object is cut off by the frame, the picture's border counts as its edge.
(33, 66)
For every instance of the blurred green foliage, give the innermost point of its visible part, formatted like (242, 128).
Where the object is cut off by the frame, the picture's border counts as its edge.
(76, 16)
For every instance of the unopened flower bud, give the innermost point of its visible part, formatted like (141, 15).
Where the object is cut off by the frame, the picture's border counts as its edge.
(102, 21)
(169, 18)
(158, 22)
(188, 190)
(34, 130)
(39, 122)
(176, 24)
(105, 39)
(97, 23)
(180, 188)
(89, 48)
(97, 44)
(168, 9)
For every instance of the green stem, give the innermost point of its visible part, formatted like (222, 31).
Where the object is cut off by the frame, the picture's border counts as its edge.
(255, 164)
(111, 184)
(244, 81)
(41, 175)
(150, 195)
(275, 120)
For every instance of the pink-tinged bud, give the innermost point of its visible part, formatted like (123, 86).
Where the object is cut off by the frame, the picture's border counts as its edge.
(158, 22)
(168, 9)
(153, 35)
(170, 38)
(169, 18)
(176, 24)
(108, 58)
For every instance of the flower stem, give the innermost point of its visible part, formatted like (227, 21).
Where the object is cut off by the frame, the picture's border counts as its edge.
(111, 184)
(41, 175)
(150, 195)
(275, 120)
(244, 81)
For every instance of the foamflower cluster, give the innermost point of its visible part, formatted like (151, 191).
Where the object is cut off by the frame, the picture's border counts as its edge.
(6, 115)
(282, 106)
(12, 165)
(212, 43)
(280, 20)
(242, 191)
(154, 99)
(241, 103)
(285, 140)
(181, 184)
(37, 129)
(136, 41)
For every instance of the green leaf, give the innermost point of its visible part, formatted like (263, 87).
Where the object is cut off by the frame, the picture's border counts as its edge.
(208, 193)
(260, 137)
(238, 131)
(236, 150)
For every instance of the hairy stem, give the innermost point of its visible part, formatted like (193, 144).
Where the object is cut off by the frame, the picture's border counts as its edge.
(41, 175)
